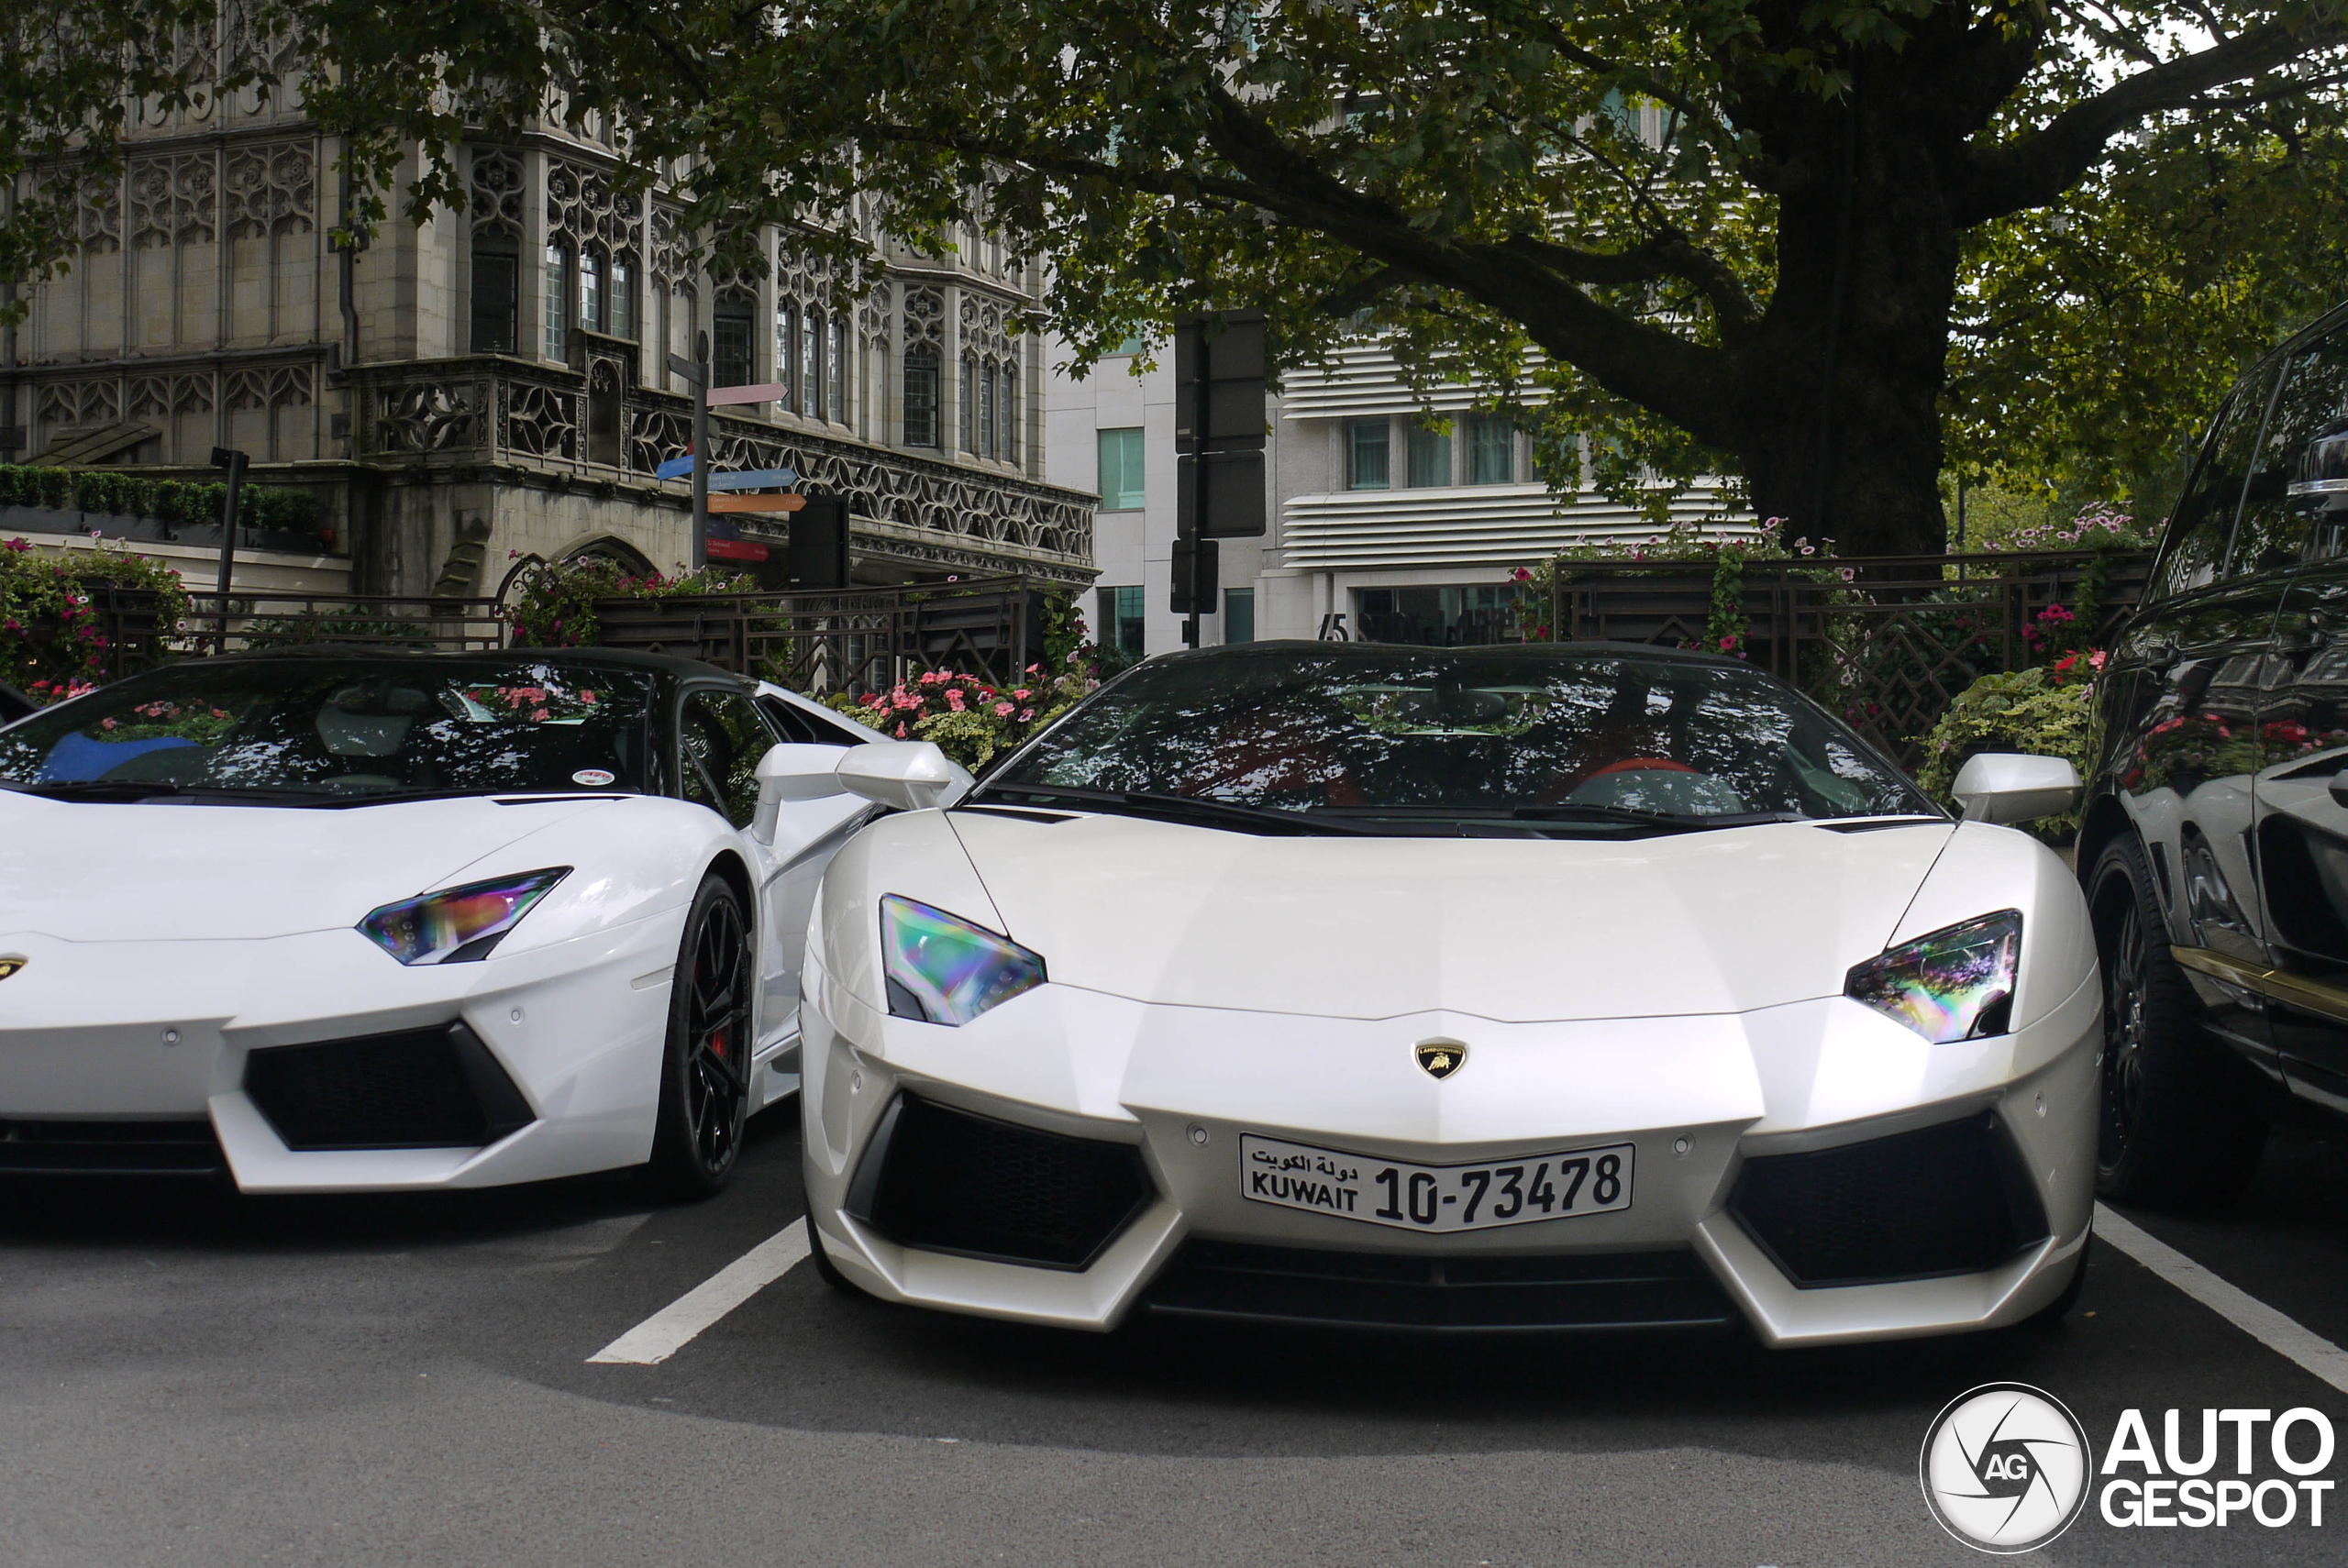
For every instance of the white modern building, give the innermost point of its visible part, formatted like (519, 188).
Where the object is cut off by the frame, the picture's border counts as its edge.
(1385, 526)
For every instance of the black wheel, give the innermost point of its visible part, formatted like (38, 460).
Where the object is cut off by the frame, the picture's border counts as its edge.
(2179, 1126)
(706, 1074)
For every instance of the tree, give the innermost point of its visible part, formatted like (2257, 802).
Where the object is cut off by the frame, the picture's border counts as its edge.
(1722, 232)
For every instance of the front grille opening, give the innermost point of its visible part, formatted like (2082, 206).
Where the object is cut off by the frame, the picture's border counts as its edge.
(110, 1148)
(419, 1088)
(1476, 1293)
(1942, 1200)
(949, 1181)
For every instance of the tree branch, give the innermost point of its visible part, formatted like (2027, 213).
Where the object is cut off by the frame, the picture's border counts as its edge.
(2036, 169)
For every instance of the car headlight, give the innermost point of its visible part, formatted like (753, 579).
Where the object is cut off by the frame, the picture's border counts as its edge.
(458, 925)
(1954, 984)
(942, 970)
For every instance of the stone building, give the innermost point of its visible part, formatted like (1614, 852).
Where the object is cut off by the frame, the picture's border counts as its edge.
(492, 384)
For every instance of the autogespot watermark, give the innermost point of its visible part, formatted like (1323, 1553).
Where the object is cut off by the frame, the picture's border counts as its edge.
(2006, 1468)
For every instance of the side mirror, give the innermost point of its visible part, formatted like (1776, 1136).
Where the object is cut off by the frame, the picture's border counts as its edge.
(793, 772)
(911, 776)
(2007, 787)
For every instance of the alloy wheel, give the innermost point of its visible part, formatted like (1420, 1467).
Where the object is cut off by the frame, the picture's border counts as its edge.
(717, 1036)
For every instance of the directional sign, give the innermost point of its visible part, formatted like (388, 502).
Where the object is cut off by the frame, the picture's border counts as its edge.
(718, 504)
(758, 391)
(675, 467)
(681, 365)
(753, 478)
(736, 551)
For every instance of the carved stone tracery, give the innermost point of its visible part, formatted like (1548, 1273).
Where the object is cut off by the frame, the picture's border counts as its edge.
(271, 188)
(171, 200)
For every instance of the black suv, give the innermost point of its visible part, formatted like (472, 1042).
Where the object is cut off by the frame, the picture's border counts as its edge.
(2214, 846)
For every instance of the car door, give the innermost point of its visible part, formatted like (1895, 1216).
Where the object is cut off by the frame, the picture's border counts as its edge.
(2183, 701)
(2298, 510)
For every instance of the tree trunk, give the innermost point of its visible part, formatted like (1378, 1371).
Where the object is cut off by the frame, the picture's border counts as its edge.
(1836, 400)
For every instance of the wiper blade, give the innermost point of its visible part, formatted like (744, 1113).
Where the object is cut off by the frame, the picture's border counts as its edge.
(1143, 803)
(1572, 812)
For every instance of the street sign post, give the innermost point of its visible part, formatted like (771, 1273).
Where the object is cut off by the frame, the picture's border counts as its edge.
(695, 373)
(234, 461)
(1220, 373)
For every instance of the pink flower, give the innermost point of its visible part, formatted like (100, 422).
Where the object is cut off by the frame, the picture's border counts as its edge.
(954, 699)
(901, 731)
(1022, 693)
(1034, 667)
(1028, 717)
(1003, 710)
(106, 723)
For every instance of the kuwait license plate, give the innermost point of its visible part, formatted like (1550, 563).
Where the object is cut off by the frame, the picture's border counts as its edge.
(1477, 1197)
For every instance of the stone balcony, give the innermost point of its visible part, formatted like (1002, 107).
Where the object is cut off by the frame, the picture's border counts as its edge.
(594, 427)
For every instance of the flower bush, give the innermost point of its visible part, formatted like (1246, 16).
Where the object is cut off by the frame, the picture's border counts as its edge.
(2046, 711)
(970, 718)
(53, 643)
(556, 607)
(2099, 526)
(166, 500)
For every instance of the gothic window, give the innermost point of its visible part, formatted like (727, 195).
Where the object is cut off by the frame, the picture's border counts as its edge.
(591, 290)
(621, 298)
(836, 369)
(969, 403)
(557, 299)
(921, 395)
(729, 342)
(496, 218)
(786, 351)
(811, 363)
(497, 291)
(1011, 413)
(987, 447)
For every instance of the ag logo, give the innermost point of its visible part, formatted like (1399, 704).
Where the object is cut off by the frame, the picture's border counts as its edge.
(2005, 1468)
(1441, 1058)
(9, 965)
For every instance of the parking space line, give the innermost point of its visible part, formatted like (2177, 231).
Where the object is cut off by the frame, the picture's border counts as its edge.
(669, 1329)
(2285, 1336)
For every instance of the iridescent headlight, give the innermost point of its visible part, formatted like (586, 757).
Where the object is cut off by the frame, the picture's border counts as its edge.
(1954, 984)
(942, 970)
(458, 925)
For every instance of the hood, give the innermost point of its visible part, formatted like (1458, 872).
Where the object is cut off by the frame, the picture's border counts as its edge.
(1515, 929)
(83, 872)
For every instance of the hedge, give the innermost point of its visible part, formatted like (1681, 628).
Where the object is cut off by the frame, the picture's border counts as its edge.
(166, 500)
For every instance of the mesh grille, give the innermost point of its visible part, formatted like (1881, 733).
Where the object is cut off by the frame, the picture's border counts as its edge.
(421, 1089)
(1481, 1293)
(1942, 1200)
(950, 1181)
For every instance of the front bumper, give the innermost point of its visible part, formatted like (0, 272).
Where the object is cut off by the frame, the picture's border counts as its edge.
(1698, 1097)
(133, 1033)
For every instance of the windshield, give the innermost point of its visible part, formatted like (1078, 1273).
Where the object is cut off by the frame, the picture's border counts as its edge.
(342, 728)
(1547, 734)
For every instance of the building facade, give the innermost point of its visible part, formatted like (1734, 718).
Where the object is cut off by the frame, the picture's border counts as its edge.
(1385, 526)
(493, 384)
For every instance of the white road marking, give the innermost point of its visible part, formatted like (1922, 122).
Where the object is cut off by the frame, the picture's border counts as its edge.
(2283, 1335)
(669, 1329)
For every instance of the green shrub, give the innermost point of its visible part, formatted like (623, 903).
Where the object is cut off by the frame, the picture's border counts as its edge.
(556, 608)
(2046, 711)
(166, 500)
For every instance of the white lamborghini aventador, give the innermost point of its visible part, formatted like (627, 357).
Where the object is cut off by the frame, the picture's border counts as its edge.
(1480, 988)
(342, 919)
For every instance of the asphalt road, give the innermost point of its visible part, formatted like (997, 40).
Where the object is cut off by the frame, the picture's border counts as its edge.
(191, 1377)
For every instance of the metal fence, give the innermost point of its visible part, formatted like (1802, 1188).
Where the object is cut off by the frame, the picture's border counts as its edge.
(1886, 641)
(853, 640)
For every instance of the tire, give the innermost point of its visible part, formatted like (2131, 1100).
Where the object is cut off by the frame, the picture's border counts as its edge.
(706, 1068)
(2179, 1126)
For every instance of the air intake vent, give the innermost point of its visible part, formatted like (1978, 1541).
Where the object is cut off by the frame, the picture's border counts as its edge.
(1948, 1200)
(110, 1148)
(422, 1088)
(948, 1181)
(1472, 1293)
